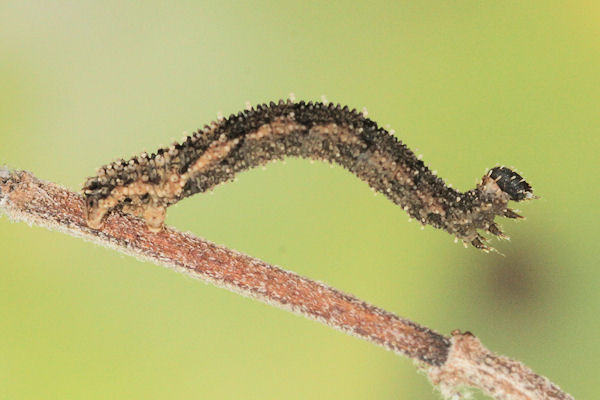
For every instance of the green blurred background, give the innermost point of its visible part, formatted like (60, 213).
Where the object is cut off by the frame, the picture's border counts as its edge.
(468, 84)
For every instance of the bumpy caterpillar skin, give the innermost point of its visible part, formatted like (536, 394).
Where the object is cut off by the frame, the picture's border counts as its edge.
(146, 185)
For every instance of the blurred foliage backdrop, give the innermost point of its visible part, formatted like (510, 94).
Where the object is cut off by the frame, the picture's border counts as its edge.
(468, 84)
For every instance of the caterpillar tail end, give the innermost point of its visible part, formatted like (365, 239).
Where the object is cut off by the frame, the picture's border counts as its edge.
(95, 212)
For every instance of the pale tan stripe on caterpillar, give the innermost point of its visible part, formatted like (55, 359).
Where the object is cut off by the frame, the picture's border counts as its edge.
(146, 185)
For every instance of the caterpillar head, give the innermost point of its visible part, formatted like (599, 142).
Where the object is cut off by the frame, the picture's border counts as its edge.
(511, 183)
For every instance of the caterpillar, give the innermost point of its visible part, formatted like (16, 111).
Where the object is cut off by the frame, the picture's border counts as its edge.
(147, 184)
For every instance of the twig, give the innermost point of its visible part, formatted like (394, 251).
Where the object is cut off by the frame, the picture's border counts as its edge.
(452, 362)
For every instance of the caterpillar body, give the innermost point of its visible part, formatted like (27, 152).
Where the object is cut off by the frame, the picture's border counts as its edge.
(147, 184)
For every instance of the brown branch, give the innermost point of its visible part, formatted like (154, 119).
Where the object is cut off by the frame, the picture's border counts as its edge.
(452, 362)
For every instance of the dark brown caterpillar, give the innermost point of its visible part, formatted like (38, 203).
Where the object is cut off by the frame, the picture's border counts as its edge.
(146, 185)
